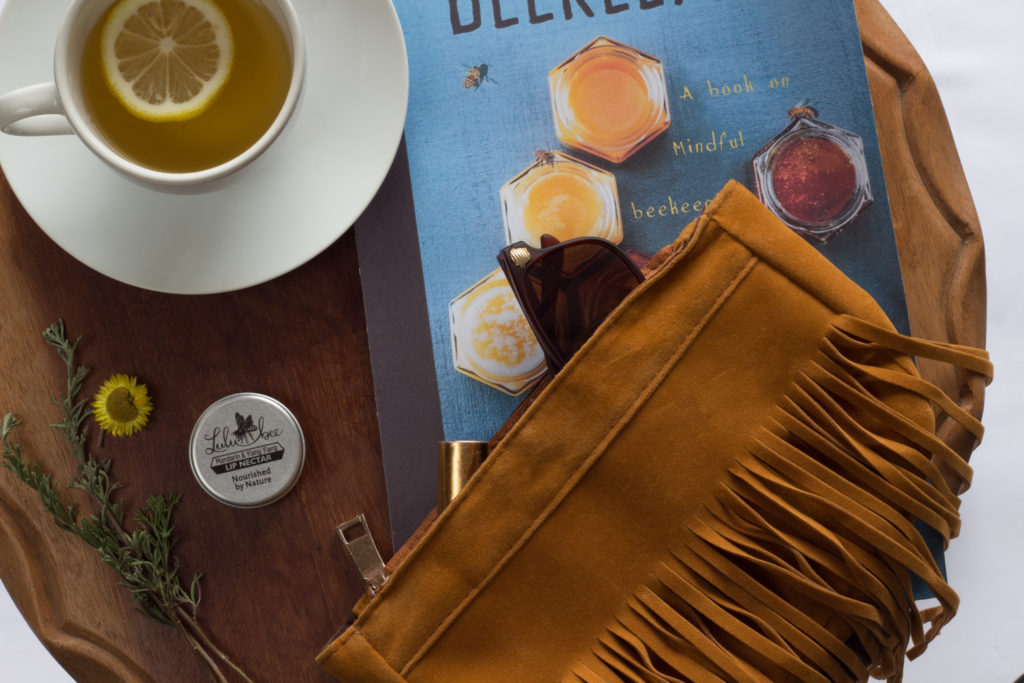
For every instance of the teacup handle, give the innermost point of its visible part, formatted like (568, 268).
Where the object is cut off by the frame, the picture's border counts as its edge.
(33, 110)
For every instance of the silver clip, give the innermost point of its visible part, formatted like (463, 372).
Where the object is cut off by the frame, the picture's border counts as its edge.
(355, 536)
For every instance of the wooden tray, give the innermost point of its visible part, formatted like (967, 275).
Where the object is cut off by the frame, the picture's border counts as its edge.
(277, 584)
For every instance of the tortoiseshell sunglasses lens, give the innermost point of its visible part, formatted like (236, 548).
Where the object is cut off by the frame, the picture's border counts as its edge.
(568, 289)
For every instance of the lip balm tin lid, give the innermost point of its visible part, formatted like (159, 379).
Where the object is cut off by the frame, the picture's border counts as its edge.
(247, 450)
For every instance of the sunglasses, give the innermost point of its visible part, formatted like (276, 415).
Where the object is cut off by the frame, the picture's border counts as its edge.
(567, 289)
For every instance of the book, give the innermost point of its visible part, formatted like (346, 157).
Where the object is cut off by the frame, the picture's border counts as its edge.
(683, 96)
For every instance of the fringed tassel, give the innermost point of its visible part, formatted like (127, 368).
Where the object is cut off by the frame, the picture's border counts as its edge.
(799, 568)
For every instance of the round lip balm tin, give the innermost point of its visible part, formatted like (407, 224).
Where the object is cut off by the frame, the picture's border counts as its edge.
(247, 450)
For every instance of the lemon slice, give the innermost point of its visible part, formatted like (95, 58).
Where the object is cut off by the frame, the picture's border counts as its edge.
(166, 60)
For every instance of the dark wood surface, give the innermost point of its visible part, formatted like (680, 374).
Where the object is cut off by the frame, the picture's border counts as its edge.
(276, 582)
(277, 585)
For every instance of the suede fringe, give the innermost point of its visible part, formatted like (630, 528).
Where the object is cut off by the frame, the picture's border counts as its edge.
(800, 567)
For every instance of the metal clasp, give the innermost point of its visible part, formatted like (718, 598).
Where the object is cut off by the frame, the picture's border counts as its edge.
(358, 541)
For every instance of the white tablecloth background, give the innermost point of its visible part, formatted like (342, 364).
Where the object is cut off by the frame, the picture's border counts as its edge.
(975, 52)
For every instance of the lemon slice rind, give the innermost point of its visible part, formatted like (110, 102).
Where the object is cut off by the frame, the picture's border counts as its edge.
(142, 81)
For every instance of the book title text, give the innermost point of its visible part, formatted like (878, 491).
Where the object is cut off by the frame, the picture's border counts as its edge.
(468, 15)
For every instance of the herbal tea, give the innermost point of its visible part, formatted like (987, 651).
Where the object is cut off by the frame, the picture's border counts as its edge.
(194, 109)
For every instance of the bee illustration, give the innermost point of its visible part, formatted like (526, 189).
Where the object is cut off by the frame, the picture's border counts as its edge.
(245, 426)
(545, 156)
(475, 77)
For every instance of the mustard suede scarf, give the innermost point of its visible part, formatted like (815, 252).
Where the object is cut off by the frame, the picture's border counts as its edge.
(720, 486)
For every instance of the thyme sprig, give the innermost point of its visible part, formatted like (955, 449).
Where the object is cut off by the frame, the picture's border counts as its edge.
(143, 556)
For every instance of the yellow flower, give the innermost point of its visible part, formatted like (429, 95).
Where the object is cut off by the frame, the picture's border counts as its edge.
(122, 406)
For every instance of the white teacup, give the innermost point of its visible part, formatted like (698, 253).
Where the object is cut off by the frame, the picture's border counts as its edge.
(58, 108)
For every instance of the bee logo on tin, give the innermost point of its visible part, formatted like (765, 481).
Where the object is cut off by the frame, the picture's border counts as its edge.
(245, 426)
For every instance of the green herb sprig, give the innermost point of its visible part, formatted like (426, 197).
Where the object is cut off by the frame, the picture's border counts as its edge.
(143, 556)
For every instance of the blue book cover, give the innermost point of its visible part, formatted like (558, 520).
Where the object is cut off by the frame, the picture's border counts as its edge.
(619, 118)
(480, 108)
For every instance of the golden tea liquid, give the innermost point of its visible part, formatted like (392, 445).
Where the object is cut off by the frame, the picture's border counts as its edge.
(249, 102)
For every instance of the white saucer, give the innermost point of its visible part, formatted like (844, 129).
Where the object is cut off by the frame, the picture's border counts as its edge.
(293, 203)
